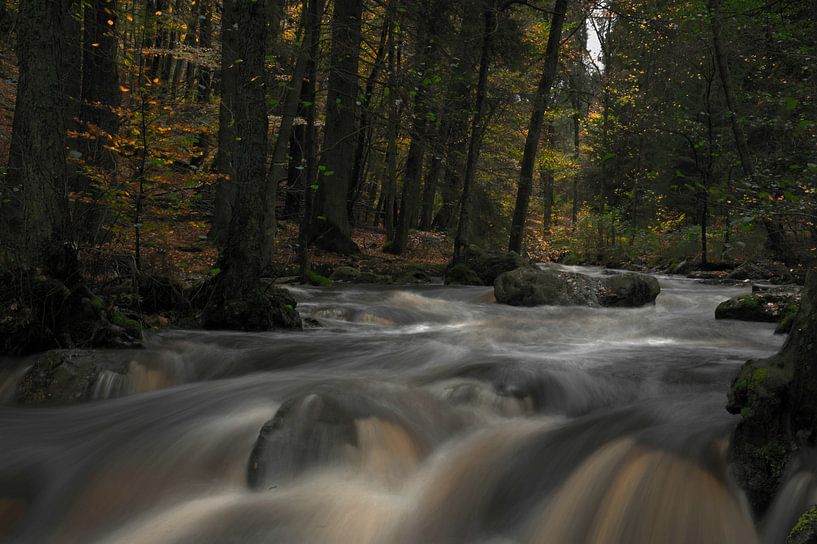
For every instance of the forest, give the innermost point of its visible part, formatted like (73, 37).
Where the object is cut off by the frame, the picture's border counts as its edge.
(356, 189)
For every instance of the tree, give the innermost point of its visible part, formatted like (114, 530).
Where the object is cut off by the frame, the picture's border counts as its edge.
(239, 299)
(535, 127)
(35, 211)
(329, 224)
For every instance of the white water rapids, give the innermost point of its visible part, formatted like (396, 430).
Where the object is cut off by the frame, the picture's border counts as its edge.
(471, 422)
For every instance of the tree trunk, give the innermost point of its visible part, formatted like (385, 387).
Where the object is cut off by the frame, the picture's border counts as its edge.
(34, 218)
(458, 103)
(541, 100)
(204, 79)
(278, 165)
(310, 155)
(393, 131)
(462, 239)
(330, 226)
(241, 260)
(430, 191)
(364, 130)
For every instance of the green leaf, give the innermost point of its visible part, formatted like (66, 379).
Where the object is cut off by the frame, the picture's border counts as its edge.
(791, 103)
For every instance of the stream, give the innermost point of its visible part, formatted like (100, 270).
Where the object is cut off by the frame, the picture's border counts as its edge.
(472, 422)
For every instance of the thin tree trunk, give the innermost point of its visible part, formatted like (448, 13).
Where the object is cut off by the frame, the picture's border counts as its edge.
(542, 98)
(393, 130)
(430, 191)
(364, 131)
(278, 164)
(462, 239)
(310, 155)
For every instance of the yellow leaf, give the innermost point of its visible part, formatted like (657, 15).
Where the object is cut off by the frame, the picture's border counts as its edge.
(110, 22)
(124, 89)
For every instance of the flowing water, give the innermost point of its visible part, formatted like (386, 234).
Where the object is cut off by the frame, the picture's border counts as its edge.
(421, 415)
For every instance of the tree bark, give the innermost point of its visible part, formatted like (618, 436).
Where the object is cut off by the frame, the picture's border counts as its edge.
(34, 207)
(241, 260)
(541, 100)
(330, 228)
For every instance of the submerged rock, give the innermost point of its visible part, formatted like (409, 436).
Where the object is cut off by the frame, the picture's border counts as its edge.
(536, 287)
(769, 306)
(65, 376)
(777, 401)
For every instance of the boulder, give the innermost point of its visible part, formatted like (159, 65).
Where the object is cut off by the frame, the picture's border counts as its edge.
(773, 271)
(777, 401)
(536, 287)
(346, 274)
(462, 274)
(489, 266)
(769, 306)
(628, 290)
(66, 376)
(412, 276)
(260, 308)
(686, 266)
(805, 531)
(335, 424)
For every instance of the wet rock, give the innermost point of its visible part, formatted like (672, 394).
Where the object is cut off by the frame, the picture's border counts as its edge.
(345, 273)
(777, 401)
(772, 271)
(490, 266)
(333, 425)
(261, 308)
(65, 376)
(462, 274)
(535, 287)
(412, 276)
(769, 306)
(348, 274)
(685, 267)
(805, 531)
(628, 290)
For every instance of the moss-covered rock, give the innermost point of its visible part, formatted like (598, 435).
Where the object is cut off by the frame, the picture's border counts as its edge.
(462, 274)
(777, 401)
(762, 306)
(345, 274)
(259, 308)
(805, 531)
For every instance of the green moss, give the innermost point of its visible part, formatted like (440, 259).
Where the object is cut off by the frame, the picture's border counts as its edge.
(316, 279)
(98, 303)
(130, 325)
(785, 324)
(759, 376)
(749, 301)
(807, 523)
(746, 412)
